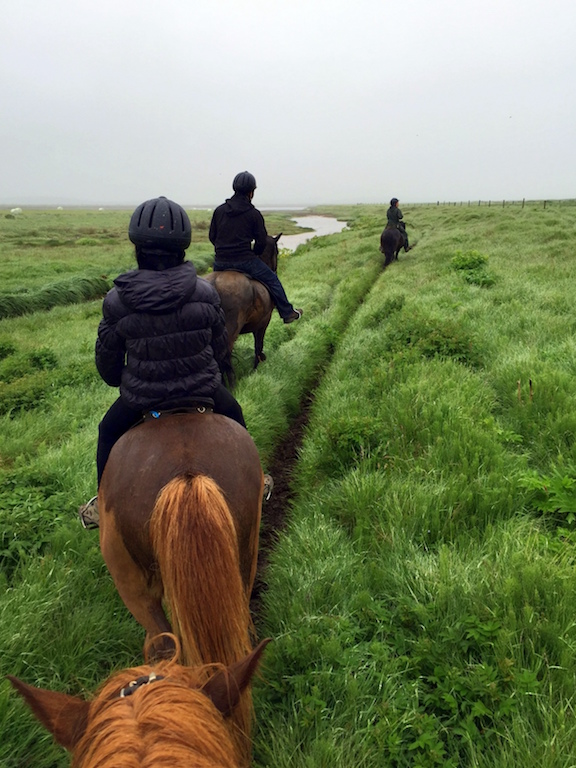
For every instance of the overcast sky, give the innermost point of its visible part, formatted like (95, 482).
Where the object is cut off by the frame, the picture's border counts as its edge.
(325, 101)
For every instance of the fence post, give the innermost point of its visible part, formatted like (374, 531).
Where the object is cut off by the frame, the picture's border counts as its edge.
(523, 201)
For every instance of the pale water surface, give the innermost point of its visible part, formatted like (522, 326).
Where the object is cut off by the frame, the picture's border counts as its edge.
(320, 225)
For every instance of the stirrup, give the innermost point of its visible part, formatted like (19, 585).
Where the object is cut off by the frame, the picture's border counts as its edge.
(88, 514)
(268, 486)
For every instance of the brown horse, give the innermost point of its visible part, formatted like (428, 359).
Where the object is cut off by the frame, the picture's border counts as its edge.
(246, 302)
(165, 714)
(180, 505)
(391, 241)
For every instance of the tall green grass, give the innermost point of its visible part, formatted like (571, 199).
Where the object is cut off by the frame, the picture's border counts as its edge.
(422, 597)
(432, 601)
(41, 248)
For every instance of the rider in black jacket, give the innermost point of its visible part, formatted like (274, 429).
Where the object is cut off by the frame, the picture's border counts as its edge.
(235, 224)
(162, 339)
(394, 218)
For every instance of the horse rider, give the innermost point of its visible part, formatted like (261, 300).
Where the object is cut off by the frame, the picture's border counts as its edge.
(394, 217)
(162, 338)
(235, 224)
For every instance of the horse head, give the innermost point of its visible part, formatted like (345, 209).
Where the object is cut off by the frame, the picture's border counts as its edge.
(151, 698)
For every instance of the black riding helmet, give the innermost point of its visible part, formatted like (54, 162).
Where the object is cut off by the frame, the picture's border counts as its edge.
(160, 223)
(394, 201)
(244, 183)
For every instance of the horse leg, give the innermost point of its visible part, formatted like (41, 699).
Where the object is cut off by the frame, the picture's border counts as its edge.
(259, 355)
(141, 594)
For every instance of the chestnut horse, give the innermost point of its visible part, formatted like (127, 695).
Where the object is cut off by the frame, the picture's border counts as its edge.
(152, 715)
(180, 505)
(391, 241)
(246, 302)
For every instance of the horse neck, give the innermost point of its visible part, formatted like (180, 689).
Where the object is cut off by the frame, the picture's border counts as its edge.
(268, 260)
(270, 254)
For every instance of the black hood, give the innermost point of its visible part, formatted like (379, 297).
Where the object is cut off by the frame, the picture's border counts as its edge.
(147, 290)
(237, 205)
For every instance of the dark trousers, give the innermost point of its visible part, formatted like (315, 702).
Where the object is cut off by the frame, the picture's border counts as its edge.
(119, 418)
(402, 228)
(259, 271)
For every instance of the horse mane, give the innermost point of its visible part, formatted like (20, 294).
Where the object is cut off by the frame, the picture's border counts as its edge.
(166, 723)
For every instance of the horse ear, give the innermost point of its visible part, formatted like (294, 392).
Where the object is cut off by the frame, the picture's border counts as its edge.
(225, 687)
(278, 237)
(64, 716)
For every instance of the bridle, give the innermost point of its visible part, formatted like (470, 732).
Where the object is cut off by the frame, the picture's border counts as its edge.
(138, 683)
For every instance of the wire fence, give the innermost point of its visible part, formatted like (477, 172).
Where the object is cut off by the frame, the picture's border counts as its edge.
(505, 203)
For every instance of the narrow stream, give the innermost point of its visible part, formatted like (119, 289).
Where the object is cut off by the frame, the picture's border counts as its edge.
(320, 225)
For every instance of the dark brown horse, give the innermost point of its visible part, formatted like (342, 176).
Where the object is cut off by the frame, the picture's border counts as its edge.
(180, 505)
(165, 714)
(391, 241)
(246, 302)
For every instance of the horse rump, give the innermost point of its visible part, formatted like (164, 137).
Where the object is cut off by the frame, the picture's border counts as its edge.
(391, 241)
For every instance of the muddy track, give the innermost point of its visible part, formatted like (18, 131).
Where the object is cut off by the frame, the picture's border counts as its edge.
(275, 511)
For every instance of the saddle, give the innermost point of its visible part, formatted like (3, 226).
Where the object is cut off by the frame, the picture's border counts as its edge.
(192, 408)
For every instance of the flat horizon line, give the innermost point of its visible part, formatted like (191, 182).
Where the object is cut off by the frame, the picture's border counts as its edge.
(55, 205)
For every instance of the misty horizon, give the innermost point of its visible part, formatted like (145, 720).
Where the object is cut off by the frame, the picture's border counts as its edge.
(338, 103)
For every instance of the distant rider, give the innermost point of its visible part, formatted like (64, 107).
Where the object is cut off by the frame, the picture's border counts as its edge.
(235, 225)
(394, 216)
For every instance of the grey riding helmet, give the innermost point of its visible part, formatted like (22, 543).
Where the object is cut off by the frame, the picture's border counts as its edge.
(160, 222)
(244, 183)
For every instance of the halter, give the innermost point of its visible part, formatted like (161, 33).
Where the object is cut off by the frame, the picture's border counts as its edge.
(140, 681)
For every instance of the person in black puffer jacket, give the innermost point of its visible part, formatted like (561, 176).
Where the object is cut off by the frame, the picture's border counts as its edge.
(162, 339)
(235, 224)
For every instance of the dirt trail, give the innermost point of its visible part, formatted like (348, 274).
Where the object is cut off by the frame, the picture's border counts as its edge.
(276, 509)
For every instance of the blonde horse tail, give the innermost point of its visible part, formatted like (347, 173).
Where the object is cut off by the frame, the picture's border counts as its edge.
(196, 547)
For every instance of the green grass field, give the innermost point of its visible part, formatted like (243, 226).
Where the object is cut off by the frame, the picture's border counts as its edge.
(422, 597)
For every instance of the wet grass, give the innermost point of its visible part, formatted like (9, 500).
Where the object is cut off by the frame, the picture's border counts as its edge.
(421, 597)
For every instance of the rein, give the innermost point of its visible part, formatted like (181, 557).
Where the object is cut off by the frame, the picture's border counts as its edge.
(133, 686)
